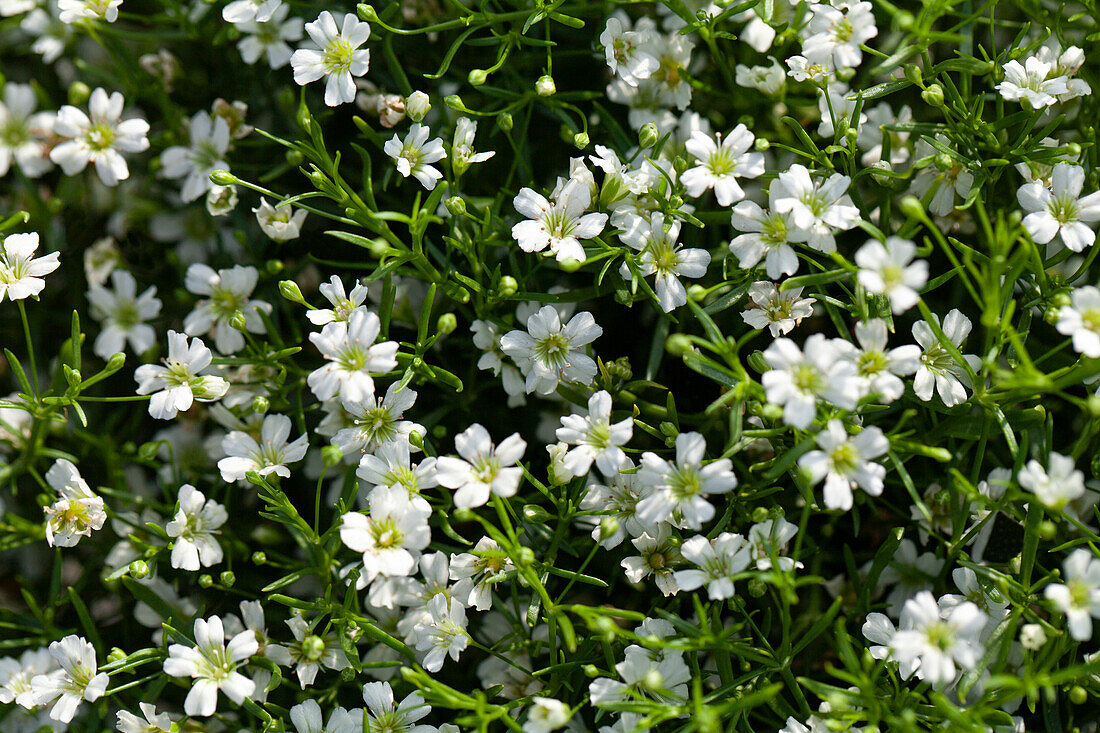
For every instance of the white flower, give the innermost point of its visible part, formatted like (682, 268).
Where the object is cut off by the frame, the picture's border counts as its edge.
(888, 269)
(180, 381)
(680, 488)
(25, 131)
(550, 353)
(462, 148)
(242, 11)
(483, 468)
(939, 639)
(1057, 486)
(99, 137)
(414, 156)
(769, 541)
(546, 714)
(1079, 597)
(1031, 83)
(441, 632)
(768, 236)
(74, 683)
(20, 271)
(657, 556)
(194, 530)
(938, 369)
(334, 53)
(663, 256)
(619, 498)
(720, 163)
(777, 310)
(559, 226)
(718, 561)
(475, 572)
(1060, 210)
(819, 208)
(595, 437)
(378, 421)
(77, 512)
(152, 723)
(949, 182)
(16, 676)
(281, 223)
(799, 377)
(392, 537)
(383, 714)
(123, 314)
(836, 33)
(349, 348)
(343, 305)
(269, 455)
(72, 11)
(228, 292)
(626, 51)
(1081, 320)
(769, 80)
(391, 465)
(269, 37)
(206, 154)
(881, 369)
(845, 462)
(213, 664)
(1033, 637)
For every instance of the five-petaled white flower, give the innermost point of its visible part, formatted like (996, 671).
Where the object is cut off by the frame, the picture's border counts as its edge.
(334, 53)
(889, 269)
(99, 137)
(213, 664)
(209, 142)
(269, 455)
(351, 355)
(716, 562)
(1060, 210)
(559, 225)
(391, 537)
(1055, 486)
(549, 352)
(177, 384)
(720, 163)
(595, 437)
(1031, 83)
(227, 292)
(938, 370)
(1079, 597)
(1081, 320)
(124, 314)
(798, 378)
(845, 462)
(938, 638)
(483, 468)
(662, 255)
(680, 487)
(20, 271)
(817, 207)
(414, 155)
(77, 512)
(72, 684)
(194, 530)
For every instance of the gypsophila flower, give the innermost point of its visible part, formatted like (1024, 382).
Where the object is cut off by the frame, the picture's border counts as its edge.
(209, 142)
(241, 11)
(938, 369)
(721, 163)
(1031, 83)
(150, 722)
(549, 352)
(72, 684)
(1081, 320)
(73, 11)
(414, 155)
(800, 377)
(658, 556)
(483, 469)
(228, 292)
(1079, 597)
(77, 512)
(845, 462)
(281, 223)
(880, 368)
(939, 639)
(889, 269)
(476, 571)
(596, 438)
(270, 38)
(333, 53)
(1060, 210)
(213, 665)
(98, 137)
(343, 305)
(20, 271)
(559, 226)
(663, 256)
(442, 632)
(123, 314)
(24, 133)
(836, 31)
(627, 51)
(194, 530)
(378, 421)
(1055, 486)
(384, 714)
(820, 208)
(462, 148)
(717, 560)
(309, 652)
(681, 487)
(768, 236)
(268, 455)
(546, 714)
(351, 354)
(391, 537)
(777, 310)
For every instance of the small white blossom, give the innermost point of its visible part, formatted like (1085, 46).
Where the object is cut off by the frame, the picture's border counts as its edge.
(800, 377)
(351, 354)
(889, 269)
(1079, 597)
(1031, 83)
(391, 537)
(270, 38)
(343, 305)
(77, 512)
(123, 314)
(442, 631)
(819, 207)
(596, 438)
(1081, 320)
(20, 271)
(549, 352)
(845, 462)
(150, 722)
(269, 455)
(194, 530)
(717, 560)
(227, 292)
(72, 684)
(1060, 210)
(206, 154)
(546, 714)
(333, 53)
(98, 137)
(777, 310)
(180, 381)
(213, 665)
(720, 163)
(559, 226)
(680, 488)
(281, 223)
(938, 370)
(483, 469)
(939, 639)
(1055, 486)
(414, 155)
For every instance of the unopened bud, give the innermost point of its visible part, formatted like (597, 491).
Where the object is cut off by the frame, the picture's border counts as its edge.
(456, 205)
(477, 77)
(508, 286)
(331, 455)
(228, 578)
(453, 101)
(911, 207)
(580, 140)
(259, 558)
(545, 86)
(260, 404)
(238, 321)
(139, 569)
(933, 95)
(116, 655)
(206, 581)
(535, 513)
(79, 93)
(569, 264)
(223, 178)
(417, 106)
(446, 323)
(290, 290)
(648, 135)
(678, 344)
(760, 514)
(504, 121)
(913, 74)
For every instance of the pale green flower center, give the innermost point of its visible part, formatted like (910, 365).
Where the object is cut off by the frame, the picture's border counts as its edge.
(338, 56)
